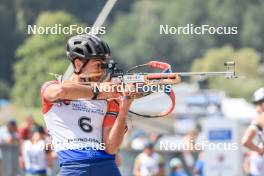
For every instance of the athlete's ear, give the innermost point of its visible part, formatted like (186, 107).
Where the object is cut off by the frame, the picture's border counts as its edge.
(77, 64)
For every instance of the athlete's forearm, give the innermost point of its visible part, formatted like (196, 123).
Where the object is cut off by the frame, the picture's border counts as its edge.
(116, 134)
(72, 91)
(68, 91)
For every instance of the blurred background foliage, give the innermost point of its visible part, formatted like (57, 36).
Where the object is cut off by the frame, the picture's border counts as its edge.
(132, 31)
(42, 54)
(247, 62)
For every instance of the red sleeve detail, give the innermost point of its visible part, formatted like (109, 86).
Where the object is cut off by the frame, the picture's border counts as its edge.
(111, 114)
(46, 105)
(108, 121)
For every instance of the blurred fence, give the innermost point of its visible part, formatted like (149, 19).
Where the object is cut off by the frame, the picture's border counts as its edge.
(9, 159)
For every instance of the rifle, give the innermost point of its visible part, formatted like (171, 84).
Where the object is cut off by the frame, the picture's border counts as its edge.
(117, 75)
(139, 81)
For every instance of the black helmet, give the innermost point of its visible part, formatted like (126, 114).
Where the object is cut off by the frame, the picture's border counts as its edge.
(258, 96)
(86, 47)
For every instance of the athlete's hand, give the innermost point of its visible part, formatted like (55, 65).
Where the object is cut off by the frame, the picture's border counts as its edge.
(113, 91)
(125, 103)
(127, 99)
(108, 95)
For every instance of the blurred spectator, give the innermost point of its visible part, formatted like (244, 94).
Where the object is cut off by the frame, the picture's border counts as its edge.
(148, 163)
(188, 159)
(118, 159)
(34, 154)
(176, 167)
(255, 129)
(1, 165)
(189, 142)
(139, 143)
(24, 130)
(253, 164)
(199, 165)
(189, 139)
(53, 163)
(154, 136)
(8, 133)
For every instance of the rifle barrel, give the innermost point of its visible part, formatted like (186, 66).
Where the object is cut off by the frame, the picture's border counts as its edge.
(229, 74)
(225, 73)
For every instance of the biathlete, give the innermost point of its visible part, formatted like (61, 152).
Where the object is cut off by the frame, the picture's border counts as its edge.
(256, 129)
(86, 127)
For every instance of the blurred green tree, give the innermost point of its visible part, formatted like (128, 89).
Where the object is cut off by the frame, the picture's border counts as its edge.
(253, 25)
(247, 66)
(4, 89)
(131, 37)
(135, 37)
(39, 56)
(10, 39)
(16, 15)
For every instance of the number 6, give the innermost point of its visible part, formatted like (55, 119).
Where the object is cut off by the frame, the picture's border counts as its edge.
(85, 124)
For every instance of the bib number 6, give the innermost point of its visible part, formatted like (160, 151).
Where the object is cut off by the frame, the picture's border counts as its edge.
(85, 124)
